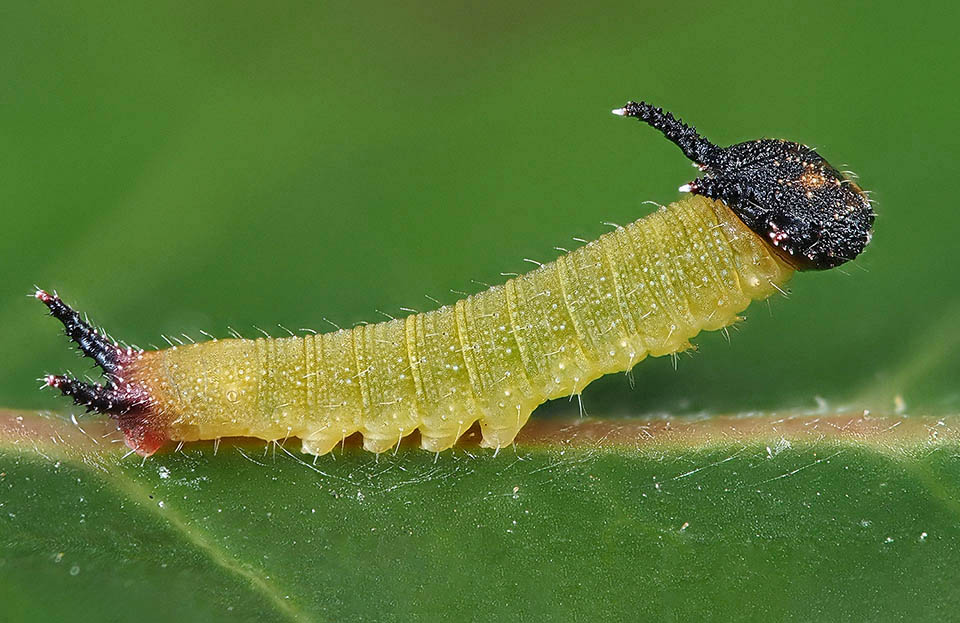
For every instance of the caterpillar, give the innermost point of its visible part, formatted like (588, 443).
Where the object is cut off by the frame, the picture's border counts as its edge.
(761, 210)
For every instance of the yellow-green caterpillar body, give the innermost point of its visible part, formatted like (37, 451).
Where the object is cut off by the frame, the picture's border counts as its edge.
(643, 289)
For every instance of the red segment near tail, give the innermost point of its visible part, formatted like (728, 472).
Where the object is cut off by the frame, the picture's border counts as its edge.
(142, 438)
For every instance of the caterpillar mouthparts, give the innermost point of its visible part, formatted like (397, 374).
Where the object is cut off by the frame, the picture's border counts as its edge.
(760, 211)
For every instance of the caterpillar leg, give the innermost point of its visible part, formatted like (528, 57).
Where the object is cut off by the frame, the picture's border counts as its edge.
(438, 443)
(500, 431)
(438, 432)
(319, 445)
(126, 401)
(379, 443)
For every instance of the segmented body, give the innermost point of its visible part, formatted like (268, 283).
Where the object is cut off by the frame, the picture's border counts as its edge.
(643, 289)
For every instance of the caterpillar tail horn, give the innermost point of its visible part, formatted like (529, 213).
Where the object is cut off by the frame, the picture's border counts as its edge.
(126, 401)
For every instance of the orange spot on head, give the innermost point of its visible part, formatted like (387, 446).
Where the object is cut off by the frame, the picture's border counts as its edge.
(812, 180)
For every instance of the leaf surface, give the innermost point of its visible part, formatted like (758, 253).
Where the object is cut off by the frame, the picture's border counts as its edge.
(797, 515)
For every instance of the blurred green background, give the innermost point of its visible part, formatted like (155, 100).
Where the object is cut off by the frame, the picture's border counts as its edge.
(174, 167)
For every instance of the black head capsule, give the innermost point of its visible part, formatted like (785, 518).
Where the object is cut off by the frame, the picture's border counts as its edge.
(810, 213)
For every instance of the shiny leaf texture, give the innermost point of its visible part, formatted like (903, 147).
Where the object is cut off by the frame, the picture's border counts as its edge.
(806, 516)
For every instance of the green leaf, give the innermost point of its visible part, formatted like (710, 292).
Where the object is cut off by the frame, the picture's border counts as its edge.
(824, 516)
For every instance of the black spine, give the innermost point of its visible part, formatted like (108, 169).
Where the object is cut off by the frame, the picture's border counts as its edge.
(93, 344)
(93, 397)
(694, 146)
(118, 396)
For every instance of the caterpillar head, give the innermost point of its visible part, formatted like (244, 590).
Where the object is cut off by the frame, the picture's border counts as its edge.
(812, 215)
(787, 193)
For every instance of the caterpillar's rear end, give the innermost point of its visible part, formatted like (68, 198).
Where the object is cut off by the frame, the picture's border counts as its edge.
(644, 289)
